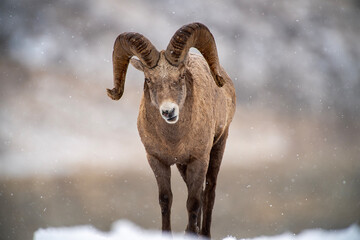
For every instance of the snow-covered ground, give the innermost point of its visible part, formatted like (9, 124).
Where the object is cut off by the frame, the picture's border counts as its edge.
(125, 230)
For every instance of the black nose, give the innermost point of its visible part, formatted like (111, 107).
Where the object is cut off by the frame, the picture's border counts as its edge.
(168, 113)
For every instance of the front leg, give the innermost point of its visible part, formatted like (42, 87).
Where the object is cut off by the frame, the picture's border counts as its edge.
(162, 174)
(195, 176)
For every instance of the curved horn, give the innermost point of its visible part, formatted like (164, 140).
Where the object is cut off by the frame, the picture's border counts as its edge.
(127, 45)
(199, 36)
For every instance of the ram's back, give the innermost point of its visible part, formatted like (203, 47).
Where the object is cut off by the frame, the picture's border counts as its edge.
(215, 105)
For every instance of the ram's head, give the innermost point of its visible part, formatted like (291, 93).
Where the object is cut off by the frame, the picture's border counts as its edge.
(164, 71)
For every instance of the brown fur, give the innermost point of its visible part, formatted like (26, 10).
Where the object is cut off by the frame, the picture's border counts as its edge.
(185, 113)
(195, 143)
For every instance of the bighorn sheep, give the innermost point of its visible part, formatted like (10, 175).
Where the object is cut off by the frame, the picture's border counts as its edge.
(185, 113)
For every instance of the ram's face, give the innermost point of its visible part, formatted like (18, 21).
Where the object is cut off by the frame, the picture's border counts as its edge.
(167, 88)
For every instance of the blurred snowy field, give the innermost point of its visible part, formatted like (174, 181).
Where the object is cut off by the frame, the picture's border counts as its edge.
(53, 78)
(126, 230)
(69, 156)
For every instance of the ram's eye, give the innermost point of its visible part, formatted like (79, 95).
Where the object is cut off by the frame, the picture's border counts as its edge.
(147, 80)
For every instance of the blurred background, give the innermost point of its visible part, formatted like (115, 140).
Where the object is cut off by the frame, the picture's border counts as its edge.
(71, 156)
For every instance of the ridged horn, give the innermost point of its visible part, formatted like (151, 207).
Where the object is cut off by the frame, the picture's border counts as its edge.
(195, 35)
(127, 45)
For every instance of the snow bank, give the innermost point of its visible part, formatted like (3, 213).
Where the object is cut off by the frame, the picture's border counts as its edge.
(121, 230)
(125, 230)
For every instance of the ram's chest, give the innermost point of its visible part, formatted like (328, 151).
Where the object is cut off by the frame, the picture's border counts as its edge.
(182, 151)
(166, 152)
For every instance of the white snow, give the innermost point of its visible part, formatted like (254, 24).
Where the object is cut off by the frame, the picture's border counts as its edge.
(121, 230)
(125, 230)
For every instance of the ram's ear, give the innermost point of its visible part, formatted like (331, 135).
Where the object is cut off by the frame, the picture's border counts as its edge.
(137, 64)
